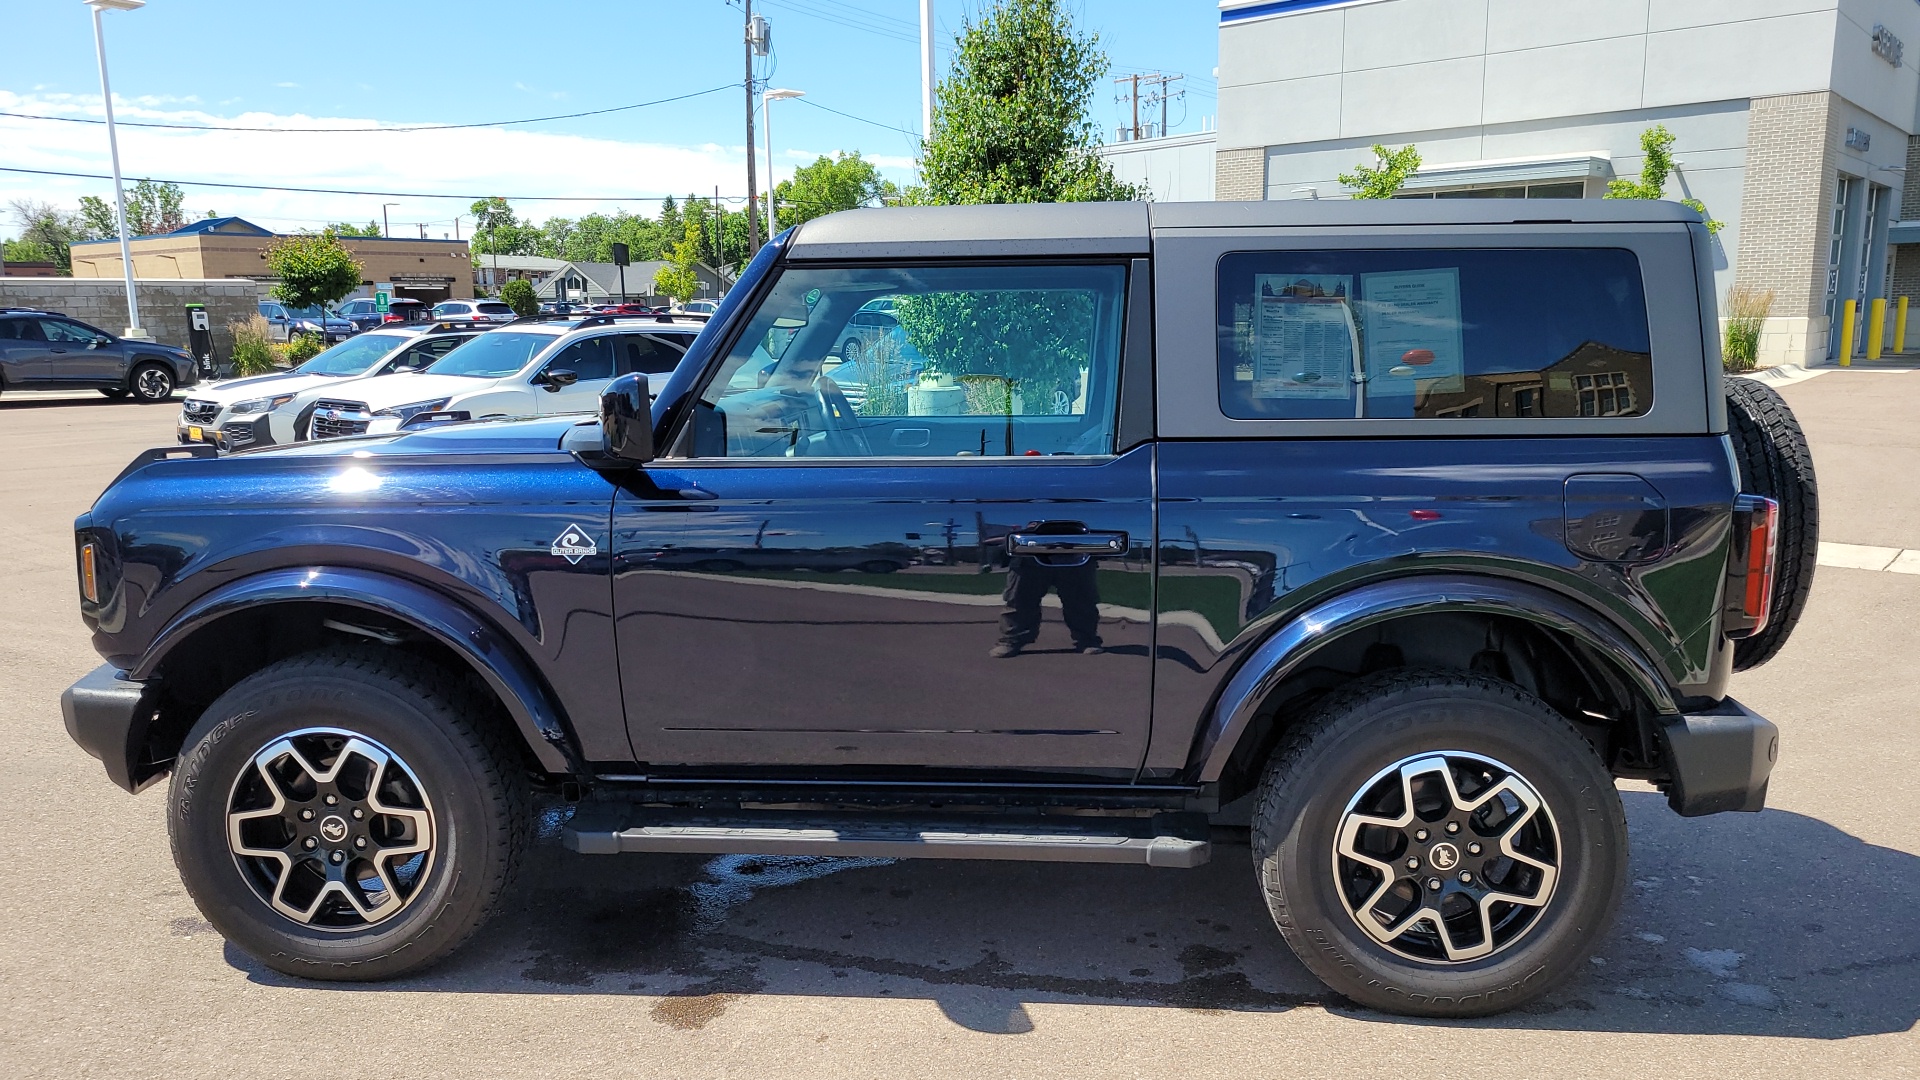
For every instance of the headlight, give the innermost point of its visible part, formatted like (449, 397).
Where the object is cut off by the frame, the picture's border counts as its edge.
(408, 412)
(260, 404)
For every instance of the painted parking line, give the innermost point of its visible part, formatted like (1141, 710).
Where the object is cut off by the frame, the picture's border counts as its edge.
(1868, 557)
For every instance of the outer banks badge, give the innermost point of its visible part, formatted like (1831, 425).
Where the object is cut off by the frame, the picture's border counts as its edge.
(573, 544)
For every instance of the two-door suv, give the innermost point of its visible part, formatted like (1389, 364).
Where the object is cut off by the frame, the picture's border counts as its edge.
(1410, 526)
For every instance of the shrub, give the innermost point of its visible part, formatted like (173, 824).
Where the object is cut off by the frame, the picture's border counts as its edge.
(253, 351)
(518, 295)
(304, 347)
(1747, 311)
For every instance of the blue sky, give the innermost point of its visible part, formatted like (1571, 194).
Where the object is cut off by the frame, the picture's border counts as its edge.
(339, 64)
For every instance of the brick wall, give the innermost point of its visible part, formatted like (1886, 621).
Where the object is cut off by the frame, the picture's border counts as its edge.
(1910, 192)
(102, 302)
(1787, 202)
(1240, 174)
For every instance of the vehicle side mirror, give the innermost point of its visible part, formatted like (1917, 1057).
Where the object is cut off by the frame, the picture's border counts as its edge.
(555, 380)
(100, 341)
(626, 420)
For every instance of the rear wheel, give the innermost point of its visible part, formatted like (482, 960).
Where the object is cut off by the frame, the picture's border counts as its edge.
(340, 815)
(1439, 843)
(1775, 461)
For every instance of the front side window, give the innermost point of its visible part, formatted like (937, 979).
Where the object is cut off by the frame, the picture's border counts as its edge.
(60, 330)
(1433, 334)
(994, 361)
(589, 359)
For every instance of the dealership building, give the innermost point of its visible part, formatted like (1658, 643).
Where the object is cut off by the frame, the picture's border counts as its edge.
(1794, 123)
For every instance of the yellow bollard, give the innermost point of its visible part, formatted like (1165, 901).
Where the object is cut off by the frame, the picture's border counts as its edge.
(1900, 326)
(1876, 326)
(1846, 333)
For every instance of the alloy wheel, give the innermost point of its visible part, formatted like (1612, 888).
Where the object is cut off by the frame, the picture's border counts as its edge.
(1446, 857)
(331, 829)
(152, 384)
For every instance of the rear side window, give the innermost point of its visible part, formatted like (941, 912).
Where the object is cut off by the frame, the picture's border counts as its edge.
(646, 354)
(1433, 334)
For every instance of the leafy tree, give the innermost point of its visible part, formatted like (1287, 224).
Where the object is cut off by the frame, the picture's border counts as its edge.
(44, 229)
(25, 251)
(1385, 178)
(680, 278)
(155, 208)
(96, 219)
(498, 231)
(842, 182)
(313, 269)
(518, 295)
(348, 228)
(1656, 143)
(1010, 123)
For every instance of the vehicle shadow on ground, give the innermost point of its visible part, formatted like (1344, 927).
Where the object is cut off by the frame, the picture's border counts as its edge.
(15, 400)
(1772, 924)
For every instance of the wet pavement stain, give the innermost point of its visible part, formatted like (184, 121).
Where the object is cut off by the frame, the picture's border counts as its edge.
(642, 932)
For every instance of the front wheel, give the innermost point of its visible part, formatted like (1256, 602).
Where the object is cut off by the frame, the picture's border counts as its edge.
(340, 815)
(1439, 843)
(151, 383)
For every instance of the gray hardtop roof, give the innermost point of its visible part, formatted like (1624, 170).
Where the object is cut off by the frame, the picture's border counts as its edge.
(1122, 228)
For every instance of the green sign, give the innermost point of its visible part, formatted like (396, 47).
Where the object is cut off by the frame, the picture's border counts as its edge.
(382, 301)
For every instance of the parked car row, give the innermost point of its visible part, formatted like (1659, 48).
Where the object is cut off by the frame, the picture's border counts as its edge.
(383, 379)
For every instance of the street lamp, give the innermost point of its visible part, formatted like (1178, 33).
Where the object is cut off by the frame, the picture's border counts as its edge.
(386, 227)
(770, 96)
(113, 148)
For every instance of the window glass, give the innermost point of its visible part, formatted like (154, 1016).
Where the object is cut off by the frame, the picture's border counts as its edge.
(649, 354)
(589, 358)
(424, 353)
(351, 357)
(27, 330)
(1433, 334)
(10, 329)
(63, 331)
(493, 308)
(921, 362)
(492, 355)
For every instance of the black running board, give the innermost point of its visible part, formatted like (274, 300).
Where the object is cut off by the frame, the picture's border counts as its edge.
(1174, 840)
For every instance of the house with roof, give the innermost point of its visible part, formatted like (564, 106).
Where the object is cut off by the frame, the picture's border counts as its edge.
(603, 283)
(230, 247)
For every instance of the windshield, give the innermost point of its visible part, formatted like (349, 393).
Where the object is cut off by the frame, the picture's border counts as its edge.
(353, 356)
(493, 355)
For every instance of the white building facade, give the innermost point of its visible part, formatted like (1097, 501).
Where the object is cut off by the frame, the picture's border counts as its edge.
(1793, 121)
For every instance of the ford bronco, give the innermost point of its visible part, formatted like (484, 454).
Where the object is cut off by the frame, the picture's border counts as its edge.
(1406, 528)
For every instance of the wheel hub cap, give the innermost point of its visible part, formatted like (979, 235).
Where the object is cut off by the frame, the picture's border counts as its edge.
(331, 829)
(1446, 857)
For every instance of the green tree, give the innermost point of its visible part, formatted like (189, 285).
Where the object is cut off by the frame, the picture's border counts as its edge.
(1389, 173)
(96, 220)
(313, 269)
(518, 295)
(830, 184)
(498, 231)
(1656, 144)
(680, 277)
(24, 251)
(348, 228)
(1010, 123)
(44, 229)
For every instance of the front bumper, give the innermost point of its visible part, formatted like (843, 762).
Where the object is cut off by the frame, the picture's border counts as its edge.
(109, 717)
(1720, 760)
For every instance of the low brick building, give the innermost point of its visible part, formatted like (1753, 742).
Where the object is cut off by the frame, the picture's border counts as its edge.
(426, 270)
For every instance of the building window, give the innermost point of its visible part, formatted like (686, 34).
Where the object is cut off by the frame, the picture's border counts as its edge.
(1608, 393)
(1566, 189)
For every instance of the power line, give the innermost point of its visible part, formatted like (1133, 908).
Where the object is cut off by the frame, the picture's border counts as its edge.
(850, 116)
(359, 130)
(394, 194)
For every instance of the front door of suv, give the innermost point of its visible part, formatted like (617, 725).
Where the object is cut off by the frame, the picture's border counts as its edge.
(950, 574)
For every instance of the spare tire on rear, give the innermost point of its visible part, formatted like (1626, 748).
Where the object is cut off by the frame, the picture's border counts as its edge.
(1775, 461)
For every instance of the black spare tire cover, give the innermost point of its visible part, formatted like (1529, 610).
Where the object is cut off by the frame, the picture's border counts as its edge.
(1775, 461)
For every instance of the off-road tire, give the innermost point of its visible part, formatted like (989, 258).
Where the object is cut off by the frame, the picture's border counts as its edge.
(1775, 461)
(437, 724)
(1328, 757)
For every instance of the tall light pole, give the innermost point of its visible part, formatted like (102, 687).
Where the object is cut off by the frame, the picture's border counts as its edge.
(113, 148)
(926, 69)
(766, 122)
(386, 227)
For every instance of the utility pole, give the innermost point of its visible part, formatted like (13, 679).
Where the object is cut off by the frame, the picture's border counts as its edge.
(752, 46)
(1159, 92)
(926, 70)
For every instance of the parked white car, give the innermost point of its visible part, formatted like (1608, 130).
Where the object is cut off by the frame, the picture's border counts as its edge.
(529, 369)
(242, 413)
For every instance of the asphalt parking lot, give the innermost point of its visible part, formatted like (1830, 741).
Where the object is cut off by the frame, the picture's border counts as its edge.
(1780, 944)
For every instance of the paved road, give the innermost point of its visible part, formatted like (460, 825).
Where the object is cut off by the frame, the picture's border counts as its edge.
(1779, 944)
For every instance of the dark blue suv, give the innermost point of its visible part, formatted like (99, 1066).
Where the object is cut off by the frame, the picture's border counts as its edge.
(1401, 529)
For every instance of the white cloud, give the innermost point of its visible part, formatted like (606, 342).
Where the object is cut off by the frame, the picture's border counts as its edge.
(464, 163)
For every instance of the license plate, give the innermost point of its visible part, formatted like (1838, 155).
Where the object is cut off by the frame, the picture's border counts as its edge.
(196, 434)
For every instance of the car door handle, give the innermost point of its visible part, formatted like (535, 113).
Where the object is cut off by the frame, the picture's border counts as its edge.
(1088, 544)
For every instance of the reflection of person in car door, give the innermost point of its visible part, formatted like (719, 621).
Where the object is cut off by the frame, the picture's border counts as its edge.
(1029, 579)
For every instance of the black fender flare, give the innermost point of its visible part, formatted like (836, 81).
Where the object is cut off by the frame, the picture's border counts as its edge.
(510, 675)
(1288, 647)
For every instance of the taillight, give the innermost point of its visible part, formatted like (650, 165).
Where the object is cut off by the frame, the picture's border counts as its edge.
(89, 575)
(1763, 539)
